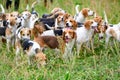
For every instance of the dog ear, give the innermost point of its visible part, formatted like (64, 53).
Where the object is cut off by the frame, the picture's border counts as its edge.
(63, 36)
(74, 35)
(87, 24)
(75, 25)
(85, 12)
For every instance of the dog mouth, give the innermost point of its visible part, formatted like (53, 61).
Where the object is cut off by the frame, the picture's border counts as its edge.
(96, 29)
(67, 39)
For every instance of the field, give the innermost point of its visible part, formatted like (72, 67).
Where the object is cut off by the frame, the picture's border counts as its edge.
(97, 64)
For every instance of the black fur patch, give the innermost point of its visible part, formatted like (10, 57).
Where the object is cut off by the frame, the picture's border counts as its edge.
(111, 25)
(80, 24)
(26, 44)
(58, 32)
(50, 21)
(2, 31)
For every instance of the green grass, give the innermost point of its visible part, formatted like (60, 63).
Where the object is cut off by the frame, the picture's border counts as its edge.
(103, 64)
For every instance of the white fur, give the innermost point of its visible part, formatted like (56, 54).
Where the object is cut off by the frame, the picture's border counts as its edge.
(84, 35)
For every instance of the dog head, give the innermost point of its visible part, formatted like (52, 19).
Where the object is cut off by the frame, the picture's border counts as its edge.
(90, 24)
(11, 22)
(41, 58)
(68, 35)
(87, 12)
(25, 33)
(26, 15)
(71, 23)
(101, 30)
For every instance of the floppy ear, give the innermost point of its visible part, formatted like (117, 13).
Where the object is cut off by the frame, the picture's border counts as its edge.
(85, 12)
(30, 31)
(21, 32)
(74, 35)
(87, 25)
(75, 25)
(63, 35)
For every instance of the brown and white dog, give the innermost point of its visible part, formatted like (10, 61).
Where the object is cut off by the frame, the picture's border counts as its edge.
(69, 37)
(85, 33)
(10, 32)
(81, 16)
(32, 48)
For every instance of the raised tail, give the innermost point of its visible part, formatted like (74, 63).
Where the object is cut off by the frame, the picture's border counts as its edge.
(105, 17)
(3, 10)
(76, 8)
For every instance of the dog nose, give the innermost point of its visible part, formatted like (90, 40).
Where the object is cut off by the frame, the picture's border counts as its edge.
(101, 37)
(67, 24)
(62, 19)
(66, 37)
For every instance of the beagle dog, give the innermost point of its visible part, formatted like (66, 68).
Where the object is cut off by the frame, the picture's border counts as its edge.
(80, 16)
(85, 33)
(12, 23)
(69, 37)
(33, 49)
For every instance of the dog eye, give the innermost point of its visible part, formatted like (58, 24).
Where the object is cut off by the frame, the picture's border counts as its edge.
(23, 34)
(91, 22)
(88, 10)
(27, 34)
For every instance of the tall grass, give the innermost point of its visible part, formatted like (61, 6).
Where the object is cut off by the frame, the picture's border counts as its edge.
(104, 64)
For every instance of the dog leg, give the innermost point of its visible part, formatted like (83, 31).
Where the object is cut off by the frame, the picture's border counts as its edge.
(106, 42)
(17, 54)
(8, 45)
(78, 48)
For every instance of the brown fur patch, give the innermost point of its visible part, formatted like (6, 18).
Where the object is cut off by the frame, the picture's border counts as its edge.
(98, 19)
(113, 33)
(47, 41)
(85, 12)
(87, 24)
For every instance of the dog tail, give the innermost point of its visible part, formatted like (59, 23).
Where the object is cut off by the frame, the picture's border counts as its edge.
(27, 7)
(76, 8)
(3, 10)
(105, 17)
(49, 27)
(33, 5)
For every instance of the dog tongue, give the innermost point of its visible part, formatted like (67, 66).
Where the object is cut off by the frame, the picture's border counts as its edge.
(66, 40)
(95, 29)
